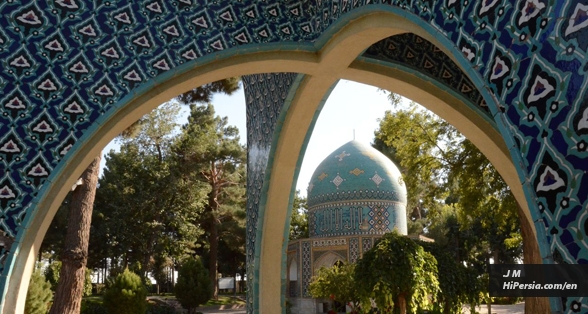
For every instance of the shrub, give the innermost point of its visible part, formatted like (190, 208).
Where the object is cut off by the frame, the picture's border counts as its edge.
(126, 294)
(98, 288)
(161, 309)
(52, 276)
(92, 308)
(38, 295)
(88, 282)
(193, 287)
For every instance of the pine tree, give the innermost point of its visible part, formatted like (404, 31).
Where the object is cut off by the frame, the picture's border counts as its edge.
(68, 297)
(126, 294)
(74, 257)
(38, 295)
(193, 287)
(211, 153)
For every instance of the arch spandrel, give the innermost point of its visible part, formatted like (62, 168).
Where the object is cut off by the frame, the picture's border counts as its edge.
(118, 59)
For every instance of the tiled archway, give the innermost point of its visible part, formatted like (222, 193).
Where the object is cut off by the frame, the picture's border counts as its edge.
(74, 73)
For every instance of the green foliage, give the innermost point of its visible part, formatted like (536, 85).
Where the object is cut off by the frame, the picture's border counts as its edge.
(39, 294)
(92, 306)
(144, 207)
(212, 156)
(458, 284)
(299, 218)
(420, 143)
(397, 269)
(87, 282)
(161, 309)
(52, 276)
(455, 194)
(193, 287)
(98, 288)
(337, 283)
(126, 295)
(204, 93)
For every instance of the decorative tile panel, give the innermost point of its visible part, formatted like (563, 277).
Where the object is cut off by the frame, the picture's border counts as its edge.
(265, 95)
(366, 244)
(306, 267)
(354, 250)
(65, 66)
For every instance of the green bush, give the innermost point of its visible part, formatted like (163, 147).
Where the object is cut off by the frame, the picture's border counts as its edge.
(193, 287)
(52, 276)
(161, 309)
(93, 308)
(38, 295)
(88, 282)
(98, 288)
(126, 294)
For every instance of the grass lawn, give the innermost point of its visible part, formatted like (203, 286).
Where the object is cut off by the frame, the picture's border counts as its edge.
(224, 300)
(93, 299)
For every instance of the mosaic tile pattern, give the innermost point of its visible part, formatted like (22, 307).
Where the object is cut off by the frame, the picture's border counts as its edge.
(366, 244)
(265, 100)
(306, 267)
(421, 56)
(66, 63)
(356, 218)
(353, 250)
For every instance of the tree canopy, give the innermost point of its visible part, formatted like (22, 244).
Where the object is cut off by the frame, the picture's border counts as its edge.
(212, 156)
(397, 273)
(454, 194)
(194, 287)
(299, 218)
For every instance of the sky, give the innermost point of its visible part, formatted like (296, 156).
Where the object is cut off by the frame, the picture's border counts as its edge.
(350, 107)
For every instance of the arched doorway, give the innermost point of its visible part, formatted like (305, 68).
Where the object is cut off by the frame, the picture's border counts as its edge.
(119, 59)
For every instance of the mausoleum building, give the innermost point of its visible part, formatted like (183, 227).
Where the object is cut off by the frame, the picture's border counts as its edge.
(354, 196)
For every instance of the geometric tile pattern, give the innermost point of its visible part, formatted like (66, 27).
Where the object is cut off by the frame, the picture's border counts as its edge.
(306, 268)
(376, 180)
(329, 242)
(366, 244)
(68, 64)
(420, 55)
(353, 250)
(264, 104)
(379, 218)
(347, 218)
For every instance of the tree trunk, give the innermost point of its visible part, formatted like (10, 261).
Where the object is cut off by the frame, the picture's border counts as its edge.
(173, 276)
(212, 266)
(68, 296)
(213, 207)
(533, 305)
(402, 304)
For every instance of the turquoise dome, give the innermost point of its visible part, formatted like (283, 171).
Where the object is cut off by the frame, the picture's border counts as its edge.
(356, 190)
(356, 171)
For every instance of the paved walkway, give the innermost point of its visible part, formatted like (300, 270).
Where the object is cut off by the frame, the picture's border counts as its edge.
(499, 309)
(496, 309)
(219, 311)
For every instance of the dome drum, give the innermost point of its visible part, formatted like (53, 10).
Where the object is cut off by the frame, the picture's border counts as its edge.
(357, 218)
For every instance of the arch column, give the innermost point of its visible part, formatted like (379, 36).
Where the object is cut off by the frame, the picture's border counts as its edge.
(289, 144)
(338, 59)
